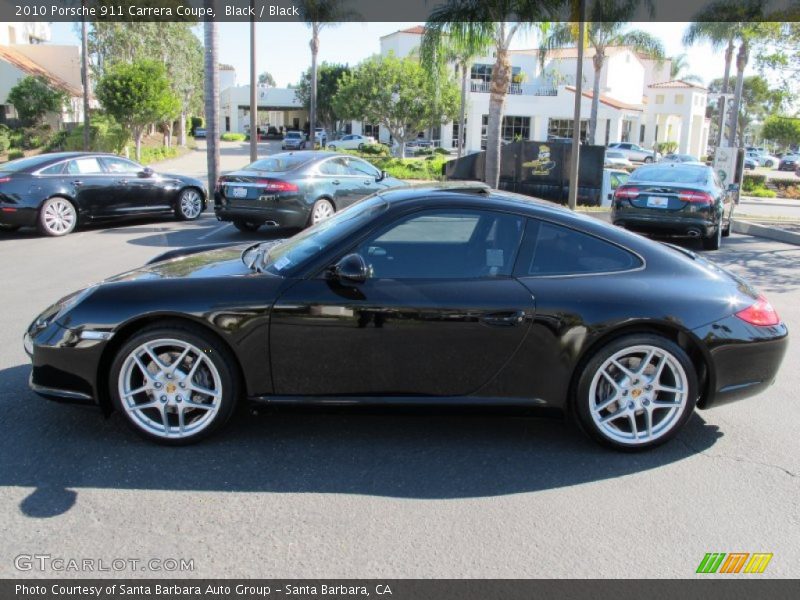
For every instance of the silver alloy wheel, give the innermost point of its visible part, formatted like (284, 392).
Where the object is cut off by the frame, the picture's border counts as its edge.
(170, 388)
(59, 216)
(638, 395)
(191, 204)
(322, 210)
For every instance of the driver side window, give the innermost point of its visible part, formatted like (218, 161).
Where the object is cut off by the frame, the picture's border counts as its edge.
(445, 244)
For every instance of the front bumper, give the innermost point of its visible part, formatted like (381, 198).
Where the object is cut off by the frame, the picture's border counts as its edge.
(744, 358)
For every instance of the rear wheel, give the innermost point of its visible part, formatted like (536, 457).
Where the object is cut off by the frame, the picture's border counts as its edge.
(648, 159)
(636, 392)
(246, 226)
(189, 205)
(331, 146)
(322, 210)
(715, 241)
(57, 217)
(173, 384)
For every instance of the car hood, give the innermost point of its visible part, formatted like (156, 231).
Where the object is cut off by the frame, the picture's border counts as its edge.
(192, 263)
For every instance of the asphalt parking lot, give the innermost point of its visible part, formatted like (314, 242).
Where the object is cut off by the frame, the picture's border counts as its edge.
(322, 494)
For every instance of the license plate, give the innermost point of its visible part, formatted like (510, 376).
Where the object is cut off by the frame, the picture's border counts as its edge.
(239, 192)
(657, 202)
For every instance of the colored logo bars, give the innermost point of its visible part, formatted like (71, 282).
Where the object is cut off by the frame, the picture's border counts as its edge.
(734, 562)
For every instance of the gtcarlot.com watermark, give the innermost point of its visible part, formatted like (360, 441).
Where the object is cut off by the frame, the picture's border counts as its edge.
(47, 563)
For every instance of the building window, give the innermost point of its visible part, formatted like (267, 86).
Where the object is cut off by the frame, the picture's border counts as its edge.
(348, 128)
(659, 98)
(608, 130)
(562, 128)
(641, 134)
(372, 130)
(625, 134)
(456, 129)
(514, 128)
(678, 98)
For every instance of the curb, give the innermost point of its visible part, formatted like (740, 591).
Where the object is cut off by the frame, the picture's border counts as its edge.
(770, 233)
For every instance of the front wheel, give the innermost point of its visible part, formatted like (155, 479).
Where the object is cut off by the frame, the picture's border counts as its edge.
(636, 392)
(173, 384)
(189, 205)
(331, 146)
(246, 226)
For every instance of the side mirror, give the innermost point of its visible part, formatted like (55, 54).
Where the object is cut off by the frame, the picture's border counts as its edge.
(382, 176)
(733, 187)
(351, 268)
(146, 172)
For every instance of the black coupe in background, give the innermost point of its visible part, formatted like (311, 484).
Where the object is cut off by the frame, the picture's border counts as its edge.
(56, 192)
(425, 296)
(296, 189)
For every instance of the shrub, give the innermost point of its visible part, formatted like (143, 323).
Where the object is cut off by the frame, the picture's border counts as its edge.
(752, 182)
(5, 140)
(233, 137)
(788, 190)
(666, 147)
(15, 154)
(152, 154)
(442, 151)
(375, 150)
(57, 141)
(762, 193)
(105, 135)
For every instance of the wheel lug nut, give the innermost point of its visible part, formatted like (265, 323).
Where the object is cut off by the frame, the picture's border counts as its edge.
(163, 398)
(631, 406)
(179, 399)
(158, 386)
(646, 402)
(183, 385)
(169, 376)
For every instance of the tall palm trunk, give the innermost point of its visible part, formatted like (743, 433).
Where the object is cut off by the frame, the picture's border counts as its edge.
(597, 61)
(725, 82)
(501, 78)
(85, 82)
(741, 63)
(211, 99)
(462, 116)
(313, 104)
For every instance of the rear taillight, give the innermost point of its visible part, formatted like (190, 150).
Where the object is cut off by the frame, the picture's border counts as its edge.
(626, 193)
(277, 185)
(761, 313)
(5, 179)
(695, 197)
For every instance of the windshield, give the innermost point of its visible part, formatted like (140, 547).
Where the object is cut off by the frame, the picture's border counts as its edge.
(292, 134)
(282, 257)
(278, 163)
(670, 175)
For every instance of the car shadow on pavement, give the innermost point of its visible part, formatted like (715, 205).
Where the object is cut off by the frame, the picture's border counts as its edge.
(768, 270)
(57, 450)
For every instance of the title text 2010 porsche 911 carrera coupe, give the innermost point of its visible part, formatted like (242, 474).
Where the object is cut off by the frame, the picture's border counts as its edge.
(432, 296)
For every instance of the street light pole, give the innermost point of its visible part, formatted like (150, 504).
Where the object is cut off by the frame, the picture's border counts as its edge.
(572, 199)
(253, 92)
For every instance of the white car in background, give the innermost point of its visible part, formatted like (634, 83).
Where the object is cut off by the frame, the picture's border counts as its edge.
(615, 158)
(634, 152)
(764, 160)
(351, 141)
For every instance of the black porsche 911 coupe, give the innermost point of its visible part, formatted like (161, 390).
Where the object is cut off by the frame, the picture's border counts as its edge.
(56, 192)
(427, 296)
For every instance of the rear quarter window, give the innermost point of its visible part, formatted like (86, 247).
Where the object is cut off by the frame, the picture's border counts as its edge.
(553, 250)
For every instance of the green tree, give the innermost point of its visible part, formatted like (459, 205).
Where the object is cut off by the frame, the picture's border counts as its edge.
(33, 98)
(783, 130)
(466, 22)
(138, 95)
(397, 94)
(266, 78)
(328, 77)
(318, 14)
(679, 65)
(758, 100)
(607, 28)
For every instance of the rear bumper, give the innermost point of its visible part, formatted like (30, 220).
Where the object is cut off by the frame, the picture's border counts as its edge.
(744, 359)
(282, 217)
(665, 224)
(22, 216)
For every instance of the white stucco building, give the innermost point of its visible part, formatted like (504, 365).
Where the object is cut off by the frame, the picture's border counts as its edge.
(277, 107)
(638, 102)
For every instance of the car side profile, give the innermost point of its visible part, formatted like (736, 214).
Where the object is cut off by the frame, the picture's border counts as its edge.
(352, 141)
(56, 192)
(295, 189)
(634, 152)
(676, 199)
(433, 296)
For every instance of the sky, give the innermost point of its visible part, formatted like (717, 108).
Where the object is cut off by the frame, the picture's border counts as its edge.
(282, 48)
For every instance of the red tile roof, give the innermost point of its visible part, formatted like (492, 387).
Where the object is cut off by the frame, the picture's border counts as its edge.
(677, 83)
(25, 64)
(417, 29)
(608, 101)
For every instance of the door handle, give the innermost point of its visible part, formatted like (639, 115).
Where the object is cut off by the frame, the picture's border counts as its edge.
(122, 182)
(77, 183)
(367, 182)
(504, 319)
(335, 182)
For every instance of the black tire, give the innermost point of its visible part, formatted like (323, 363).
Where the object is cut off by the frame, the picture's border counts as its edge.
(189, 204)
(648, 159)
(246, 226)
(331, 146)
(582, 410)
(726, 231)
(57, 205)
(361, 147)
(715, 241)
(769, 164)
(213, 351)
(9, 228)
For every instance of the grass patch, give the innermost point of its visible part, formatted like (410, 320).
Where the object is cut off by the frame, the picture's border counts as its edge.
(427, 168)
(233, 137)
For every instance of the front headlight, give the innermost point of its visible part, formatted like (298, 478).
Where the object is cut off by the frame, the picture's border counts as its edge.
(60, 308)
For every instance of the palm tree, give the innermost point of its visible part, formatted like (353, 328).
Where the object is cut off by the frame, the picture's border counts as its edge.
(718, 35)
(317, 14)
(438, 51)
(211, 85)
(600, 35)
(466, 23)
(679, 64)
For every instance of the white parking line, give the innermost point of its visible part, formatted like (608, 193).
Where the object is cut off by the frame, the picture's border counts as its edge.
(214, 232)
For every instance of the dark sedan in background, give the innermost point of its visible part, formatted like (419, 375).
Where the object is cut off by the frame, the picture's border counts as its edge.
(420, 296)
(789, 162)
(55, 192)
(296, 189)
(677, 199)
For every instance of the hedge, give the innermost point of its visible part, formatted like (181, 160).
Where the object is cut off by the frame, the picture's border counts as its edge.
(233, 137)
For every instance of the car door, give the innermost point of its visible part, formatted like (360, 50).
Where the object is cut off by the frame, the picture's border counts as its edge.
(439, 316)
(94, 190)
(141, 193)
(338, 183)
(367, 178)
